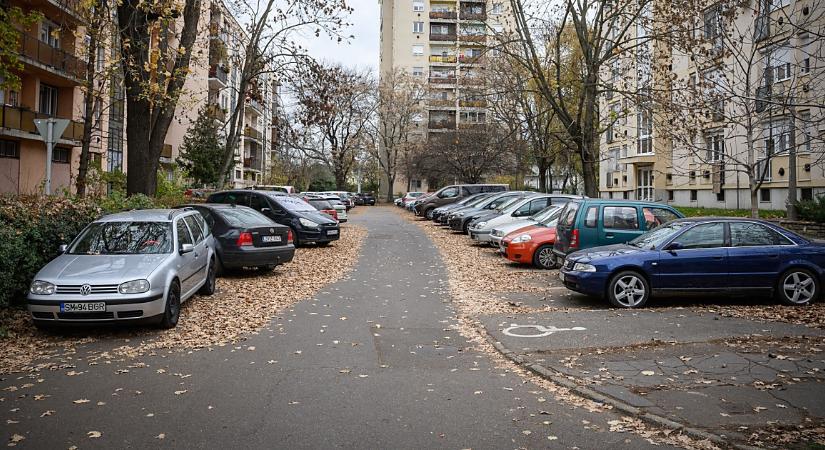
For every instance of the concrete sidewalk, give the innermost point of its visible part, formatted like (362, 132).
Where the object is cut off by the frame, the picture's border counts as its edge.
(741, 380)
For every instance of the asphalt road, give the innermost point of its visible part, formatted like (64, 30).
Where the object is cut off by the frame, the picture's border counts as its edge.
(370, 362)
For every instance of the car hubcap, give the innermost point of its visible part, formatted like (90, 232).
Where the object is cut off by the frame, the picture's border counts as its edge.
(798, 287)
(629, 290)
(546, 258)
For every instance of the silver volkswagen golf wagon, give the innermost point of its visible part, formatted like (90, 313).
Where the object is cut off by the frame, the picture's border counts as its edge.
(136, 266)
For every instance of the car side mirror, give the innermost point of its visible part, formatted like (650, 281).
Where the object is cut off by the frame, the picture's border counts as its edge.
(186, 248)
(674, 246)
(62, 248)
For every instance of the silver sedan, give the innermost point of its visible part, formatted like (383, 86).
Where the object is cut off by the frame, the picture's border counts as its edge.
(133, 266)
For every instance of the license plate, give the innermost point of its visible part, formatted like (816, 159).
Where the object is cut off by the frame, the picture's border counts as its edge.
(83, 307)
(271, 238)
(332, 232)
(561, 277)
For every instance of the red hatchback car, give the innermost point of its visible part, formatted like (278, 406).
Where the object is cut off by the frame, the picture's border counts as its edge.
(532, 244)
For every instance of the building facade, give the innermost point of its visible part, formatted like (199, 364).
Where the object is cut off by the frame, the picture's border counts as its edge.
(444, 42)
(732, 105)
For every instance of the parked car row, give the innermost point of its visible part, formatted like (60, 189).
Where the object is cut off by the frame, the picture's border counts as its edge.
(140, 266)
(628, 251)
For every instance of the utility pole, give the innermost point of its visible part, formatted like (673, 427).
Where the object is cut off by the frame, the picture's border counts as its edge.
(50, 129)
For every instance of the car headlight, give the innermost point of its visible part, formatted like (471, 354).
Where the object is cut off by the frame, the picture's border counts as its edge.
(461, 214)
(307, 223)
(522, 238)
(133, 287)
(481, 224)
(581, 267)
(496, 233)
(40, 287)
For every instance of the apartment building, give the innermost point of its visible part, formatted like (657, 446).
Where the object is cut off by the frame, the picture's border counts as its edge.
(444, 42)
(747, 79)
(51, 74)
(54, 69)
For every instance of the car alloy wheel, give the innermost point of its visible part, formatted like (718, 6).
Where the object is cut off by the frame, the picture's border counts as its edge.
(628, 290)
(544, 258)
(798, 287)
(172, 312)
(429, 214)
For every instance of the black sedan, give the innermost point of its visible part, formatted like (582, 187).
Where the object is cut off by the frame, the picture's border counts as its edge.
(246, 238)
(368, 199)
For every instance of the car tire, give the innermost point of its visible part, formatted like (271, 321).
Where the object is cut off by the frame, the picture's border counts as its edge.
(295, 240)
(428, 213)
(628, 289)
(171, 313)
(465, 227)
(798, 287)
(543, 257)
(208, 287)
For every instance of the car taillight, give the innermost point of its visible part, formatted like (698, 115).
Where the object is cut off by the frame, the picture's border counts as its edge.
(574, 239)
(289, 237)
(334, 214)
(244, 239)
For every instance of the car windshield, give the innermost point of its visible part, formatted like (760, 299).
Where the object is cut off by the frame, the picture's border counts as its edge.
(294, 204)
(124, 238)
(657, 237)
(320, 204)
(508, 203)
(541, 215)
(243, 217)
(550, 220)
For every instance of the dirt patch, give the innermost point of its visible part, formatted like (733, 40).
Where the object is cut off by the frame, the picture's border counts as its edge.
(243, 304)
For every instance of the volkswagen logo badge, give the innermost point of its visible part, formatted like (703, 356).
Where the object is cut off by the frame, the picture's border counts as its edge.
(271, 230)
(85, 289)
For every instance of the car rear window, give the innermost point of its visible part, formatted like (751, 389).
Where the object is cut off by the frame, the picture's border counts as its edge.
(293, 204)
(568, 216)
(320, 204)
(243, 217)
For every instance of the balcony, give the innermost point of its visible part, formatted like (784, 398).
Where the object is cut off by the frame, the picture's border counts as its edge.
(218, 76)
(252, 133)
(467, 15)
(481, 38)
(464, 59)
(252, 163)
(442, 80)
(472, 126)
(444, 59)
(473, 103)
(254, 104)
(443, 15)
(19, 122)
(217, 112)
(442, 37)
(442, 124)
(71, 8)
(441, 103)
(55, 60)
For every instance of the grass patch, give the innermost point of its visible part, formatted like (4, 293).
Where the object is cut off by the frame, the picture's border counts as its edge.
(701, 212)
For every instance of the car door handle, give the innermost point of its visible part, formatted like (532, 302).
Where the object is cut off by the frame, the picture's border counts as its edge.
(609, 235)
(718, 258)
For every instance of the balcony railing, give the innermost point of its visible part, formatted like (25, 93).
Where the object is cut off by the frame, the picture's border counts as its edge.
(442, 58)
(473, 16)
(471, 125)
(219, 72)
(474, 37)
(442, 37)
(254, 104)
(253, 133)
(449, 15)
(252, 163)
(473, 103)
(442, 125)
(217, 112)
(442, 80)
(441, 102)
(22, 119)
(57, 59)
(470, 59)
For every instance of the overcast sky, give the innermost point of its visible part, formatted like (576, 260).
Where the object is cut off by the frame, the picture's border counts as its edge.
(362, 51)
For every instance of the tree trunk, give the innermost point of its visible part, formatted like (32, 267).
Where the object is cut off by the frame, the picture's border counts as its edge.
(89, 99)
(389, 189)
(754, 201)
(542, 163)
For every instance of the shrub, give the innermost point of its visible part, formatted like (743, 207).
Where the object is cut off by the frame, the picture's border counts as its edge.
(813, 210)
(31, 230)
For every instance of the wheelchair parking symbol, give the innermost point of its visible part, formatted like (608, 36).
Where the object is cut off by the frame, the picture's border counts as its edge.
(536, 331)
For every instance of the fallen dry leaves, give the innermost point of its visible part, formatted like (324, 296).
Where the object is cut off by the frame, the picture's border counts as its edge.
(243, 304)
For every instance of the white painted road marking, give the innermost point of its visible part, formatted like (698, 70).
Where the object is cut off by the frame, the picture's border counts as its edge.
(542, 330)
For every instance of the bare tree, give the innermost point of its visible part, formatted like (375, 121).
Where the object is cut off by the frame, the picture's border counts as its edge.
(395, 129)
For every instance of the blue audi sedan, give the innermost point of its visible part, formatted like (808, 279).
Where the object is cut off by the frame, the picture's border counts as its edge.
(701, 255)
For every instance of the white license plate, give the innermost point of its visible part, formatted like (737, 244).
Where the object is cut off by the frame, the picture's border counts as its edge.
(561, 277)
(271, 238)
(332, 232)
(83, 307)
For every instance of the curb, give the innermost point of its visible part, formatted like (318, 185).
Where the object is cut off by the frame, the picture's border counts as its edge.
(583, 391)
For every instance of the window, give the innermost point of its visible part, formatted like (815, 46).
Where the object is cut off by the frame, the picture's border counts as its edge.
(449, 193)
(418, 27)
(694, 195)
(645, 129)
(720, 196)
(764, 195)
(670, 195)
(195, 228)
(644, 184)
(418, 71)
(50, 33)
(257, 202)
(9, 149)
(200, 219)
(621, 218)
(709, 235)
(592, 217)
(747, 234)
(496, 8)
(716, 147)
(780, 62)
(183, 233)
(418, 6)
(657, 216)
(806, 194)
(418, 49)
(48, 99)
(713, 26)
(538, 204)
(777, 4)
(439, 29)
(61, 155)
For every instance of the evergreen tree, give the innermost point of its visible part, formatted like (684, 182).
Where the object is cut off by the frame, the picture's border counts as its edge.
(201, 154)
